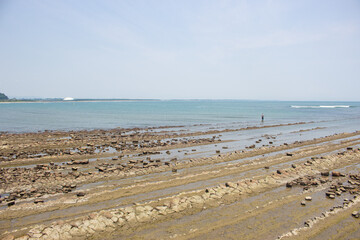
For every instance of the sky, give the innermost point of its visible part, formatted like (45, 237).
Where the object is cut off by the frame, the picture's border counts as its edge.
(153, 49)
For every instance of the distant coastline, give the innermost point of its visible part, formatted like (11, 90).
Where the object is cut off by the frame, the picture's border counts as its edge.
(56, 100)
(340, 104)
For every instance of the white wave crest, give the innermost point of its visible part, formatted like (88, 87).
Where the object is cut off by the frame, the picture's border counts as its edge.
(321, 106)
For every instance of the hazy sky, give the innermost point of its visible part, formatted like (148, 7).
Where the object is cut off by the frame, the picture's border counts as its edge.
(281, 50)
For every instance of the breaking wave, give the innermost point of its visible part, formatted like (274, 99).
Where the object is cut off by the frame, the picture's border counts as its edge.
(322, 106)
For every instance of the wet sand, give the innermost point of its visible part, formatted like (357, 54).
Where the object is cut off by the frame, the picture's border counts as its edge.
(286, 181)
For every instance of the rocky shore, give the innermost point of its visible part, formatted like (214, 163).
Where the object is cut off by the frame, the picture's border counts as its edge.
(124, 183)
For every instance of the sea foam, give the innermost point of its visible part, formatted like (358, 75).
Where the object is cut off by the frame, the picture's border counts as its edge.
(321, 106)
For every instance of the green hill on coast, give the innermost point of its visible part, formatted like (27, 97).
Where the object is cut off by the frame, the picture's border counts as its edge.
(3, 97)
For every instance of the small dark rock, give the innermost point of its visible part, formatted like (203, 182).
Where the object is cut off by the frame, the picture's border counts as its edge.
(80, 194)
(325, 174)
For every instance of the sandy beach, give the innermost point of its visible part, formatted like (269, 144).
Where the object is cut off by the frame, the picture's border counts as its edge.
(177, 182)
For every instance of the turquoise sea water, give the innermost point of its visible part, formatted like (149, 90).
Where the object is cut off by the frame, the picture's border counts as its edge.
(29, 117)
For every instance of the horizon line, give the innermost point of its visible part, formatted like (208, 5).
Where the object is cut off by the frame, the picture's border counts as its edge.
(166, 99)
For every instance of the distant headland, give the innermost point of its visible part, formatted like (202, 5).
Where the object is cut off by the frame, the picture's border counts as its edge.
(3, 97)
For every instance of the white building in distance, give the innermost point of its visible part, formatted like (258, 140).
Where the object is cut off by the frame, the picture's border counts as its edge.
(68, 99)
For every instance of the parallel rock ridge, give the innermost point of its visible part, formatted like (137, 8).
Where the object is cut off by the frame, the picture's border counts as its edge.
(183, 204)
(131, 183)
(67, 182)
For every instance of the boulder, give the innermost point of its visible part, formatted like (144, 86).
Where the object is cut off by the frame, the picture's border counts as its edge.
(196, 201)
(86, 161)
(325, 174)
(115, 219)
(80, 194)
(108, 215)
(330, 195)
(97, 225)
(231, 185)
(161, 209)
(308, 198)
(36, 201)
(143, 217)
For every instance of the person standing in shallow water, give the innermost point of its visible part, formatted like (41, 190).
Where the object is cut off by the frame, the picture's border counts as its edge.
(262, 117)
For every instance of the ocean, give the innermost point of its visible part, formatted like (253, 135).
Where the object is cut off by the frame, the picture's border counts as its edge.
(73, 115)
